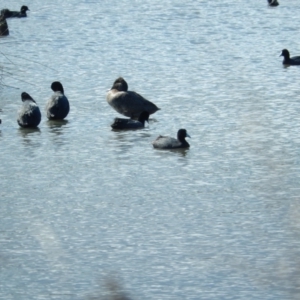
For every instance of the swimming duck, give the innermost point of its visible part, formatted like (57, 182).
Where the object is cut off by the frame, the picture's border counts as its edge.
(15, 14)
(120, 123)
(289, 60)
(166, 142)
(57, 106)
(128, 103)
(3, 26)
(29, 114)
(273, 3)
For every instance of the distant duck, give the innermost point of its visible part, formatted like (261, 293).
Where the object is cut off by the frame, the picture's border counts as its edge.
(166, 142)
(293, 61)
(273, 3)
(57, 106)
(128, 103)
(3, 26)
(120, 123)
(29, 114)
(15, 14)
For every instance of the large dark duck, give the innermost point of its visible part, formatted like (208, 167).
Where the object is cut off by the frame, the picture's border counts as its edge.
(293, 61)
(128, 103)
(3, 26)
(273, 2)
(29, 114)
(120, 123)
(166, 142)
(15, 14)
(57, 107)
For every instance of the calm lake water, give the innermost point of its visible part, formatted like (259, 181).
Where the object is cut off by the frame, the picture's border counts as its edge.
(81, 204)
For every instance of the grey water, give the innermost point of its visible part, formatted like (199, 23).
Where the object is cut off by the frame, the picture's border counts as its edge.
(81, 204)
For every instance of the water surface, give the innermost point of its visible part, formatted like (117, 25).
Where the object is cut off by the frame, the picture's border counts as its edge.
(81, 203)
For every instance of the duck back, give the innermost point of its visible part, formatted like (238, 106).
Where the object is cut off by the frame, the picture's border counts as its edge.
(57, 106)
(166, 142)
(15, 14)
(29, 115)
(130, 104)
(3, 26)
(120, 123)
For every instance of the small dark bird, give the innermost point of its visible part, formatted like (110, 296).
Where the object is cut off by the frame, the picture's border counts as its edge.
(166, 142)
(3, 26)
(15, 14)
(128, 103)
(29, 114)
(57, 106)
(273, 3)
(293, 61)
(120, 123)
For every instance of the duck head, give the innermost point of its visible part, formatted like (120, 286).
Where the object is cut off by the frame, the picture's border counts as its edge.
(285, 53)
(23, 9)
(26, 97)
(120, 84)
(56, 86)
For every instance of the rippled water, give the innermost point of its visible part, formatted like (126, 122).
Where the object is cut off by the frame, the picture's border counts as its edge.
(81, 203)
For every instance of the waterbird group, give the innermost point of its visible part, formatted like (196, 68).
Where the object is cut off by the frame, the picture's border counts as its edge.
(128, 103)
(57, 107)
(125, 102)
(6, 13)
